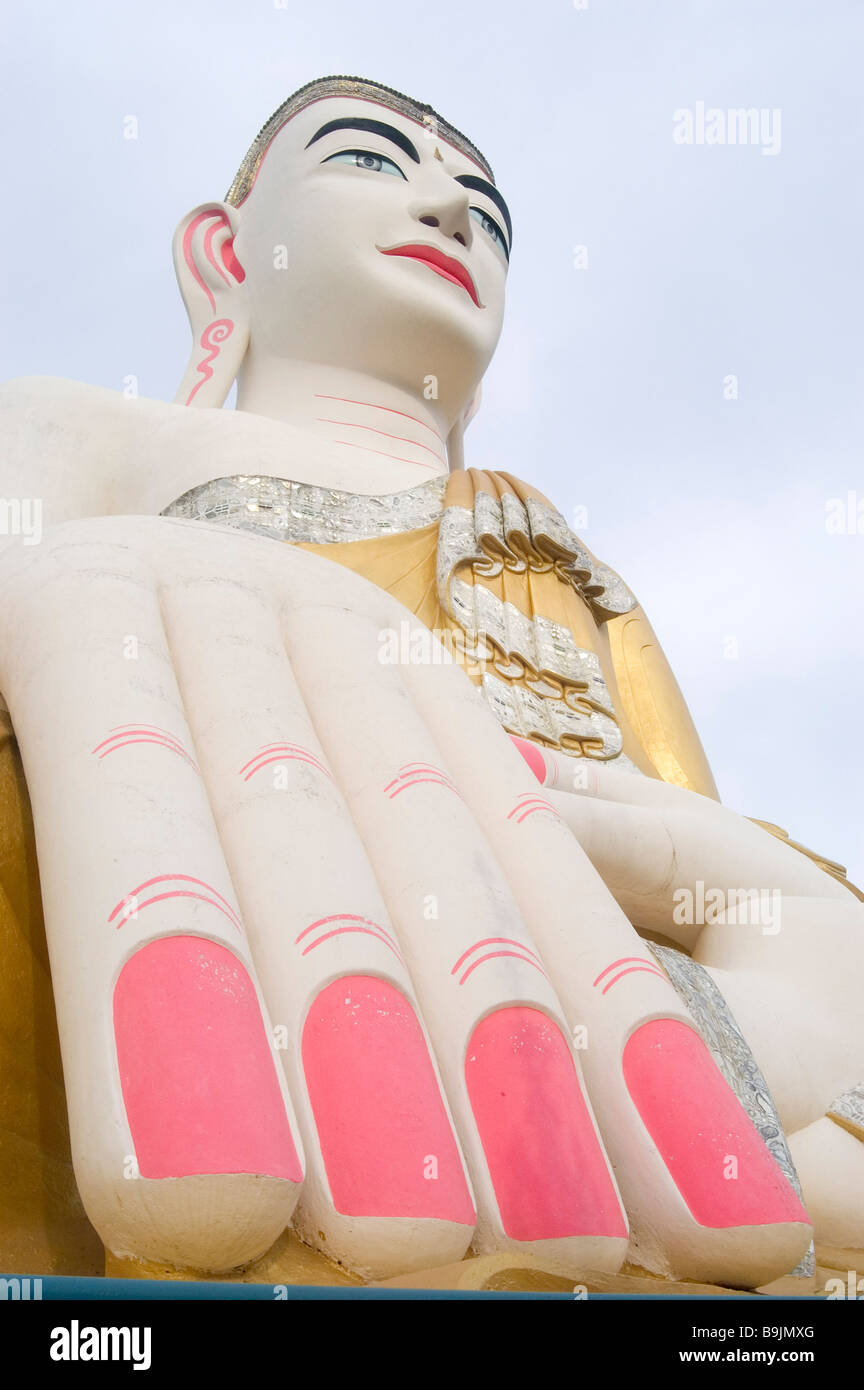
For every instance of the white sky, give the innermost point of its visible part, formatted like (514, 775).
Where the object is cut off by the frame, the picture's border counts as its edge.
(607, 390)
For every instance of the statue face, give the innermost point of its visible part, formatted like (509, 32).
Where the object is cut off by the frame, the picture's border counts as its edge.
(370, 243)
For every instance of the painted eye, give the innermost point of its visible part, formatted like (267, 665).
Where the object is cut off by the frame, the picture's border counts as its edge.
(365, 159)
(491, 228)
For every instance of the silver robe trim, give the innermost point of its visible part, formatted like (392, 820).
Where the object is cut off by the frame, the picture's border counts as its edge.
(298, 512)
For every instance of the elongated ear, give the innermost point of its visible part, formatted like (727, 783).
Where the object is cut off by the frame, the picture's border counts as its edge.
(455, 451)
(211, 283)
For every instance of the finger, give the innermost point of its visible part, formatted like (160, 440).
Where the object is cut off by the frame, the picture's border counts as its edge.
(668, 1118)
(183, 1138)
(540, 1177)
(386, 1190)
(673, 871)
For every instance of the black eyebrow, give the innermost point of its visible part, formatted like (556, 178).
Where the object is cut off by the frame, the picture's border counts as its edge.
(482, 186)
(387, 132)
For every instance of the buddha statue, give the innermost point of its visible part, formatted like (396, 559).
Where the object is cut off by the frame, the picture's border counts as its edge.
(387, 892)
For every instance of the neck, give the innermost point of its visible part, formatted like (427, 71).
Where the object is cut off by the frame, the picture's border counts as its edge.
(366, 429)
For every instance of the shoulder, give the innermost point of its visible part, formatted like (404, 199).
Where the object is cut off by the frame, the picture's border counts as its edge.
(64, 441)
(89, 451)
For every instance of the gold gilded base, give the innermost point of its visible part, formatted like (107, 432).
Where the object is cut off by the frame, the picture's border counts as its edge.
(288, 1262)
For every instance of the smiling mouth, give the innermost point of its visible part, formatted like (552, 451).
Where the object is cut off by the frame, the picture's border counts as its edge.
(447, 266)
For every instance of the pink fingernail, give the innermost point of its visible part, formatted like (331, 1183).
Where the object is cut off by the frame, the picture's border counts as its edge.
(197, 1073)
(545, 1159)
(533, 757)
(386, 1140)
(713, 1151)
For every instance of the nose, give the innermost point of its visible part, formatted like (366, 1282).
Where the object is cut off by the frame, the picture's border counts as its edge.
(448, 211)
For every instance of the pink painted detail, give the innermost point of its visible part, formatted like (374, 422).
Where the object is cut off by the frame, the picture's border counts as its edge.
(411, 775)
(403, 438)
(213, 335)
(230, 261)
(378, 1107)
(340, 917)
(543, 1152)
(626, 960)
(365, 931)
(144, 733)
(319, 396)
(533, 757)
(408, 768)
(527, 805)
(493, 955)
(358, 924)
(131, 903)
(523, 953)
(218, 220)
(197, 1072)
(698, 1124)
(384, 453)
(208, 246)
(493, 941)
(633, 970)
(283, 752)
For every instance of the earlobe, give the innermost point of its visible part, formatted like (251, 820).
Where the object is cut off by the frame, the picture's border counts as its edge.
(211, 277)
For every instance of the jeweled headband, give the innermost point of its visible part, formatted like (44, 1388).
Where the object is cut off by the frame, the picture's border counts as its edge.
(345, 87)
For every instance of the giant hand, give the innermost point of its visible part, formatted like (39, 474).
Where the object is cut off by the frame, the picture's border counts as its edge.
(310, 913)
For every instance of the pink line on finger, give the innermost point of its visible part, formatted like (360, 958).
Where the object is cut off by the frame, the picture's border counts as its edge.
(424, 781)
(340, 931)
(529, 803)
(289, 758)
(339, 917)
(151, 738)
(531, 811)
(137, 728)
(493, 941)
(633, 970)
(287, 747)
(175, 878)
(624, 960)
(142, 724)
(492, 955)
(417, 767)
(409, 770)
(177, 893)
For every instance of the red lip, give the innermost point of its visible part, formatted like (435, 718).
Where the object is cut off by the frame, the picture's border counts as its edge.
(436, 260)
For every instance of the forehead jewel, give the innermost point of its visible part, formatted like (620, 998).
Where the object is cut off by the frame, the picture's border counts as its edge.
(357, 87)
